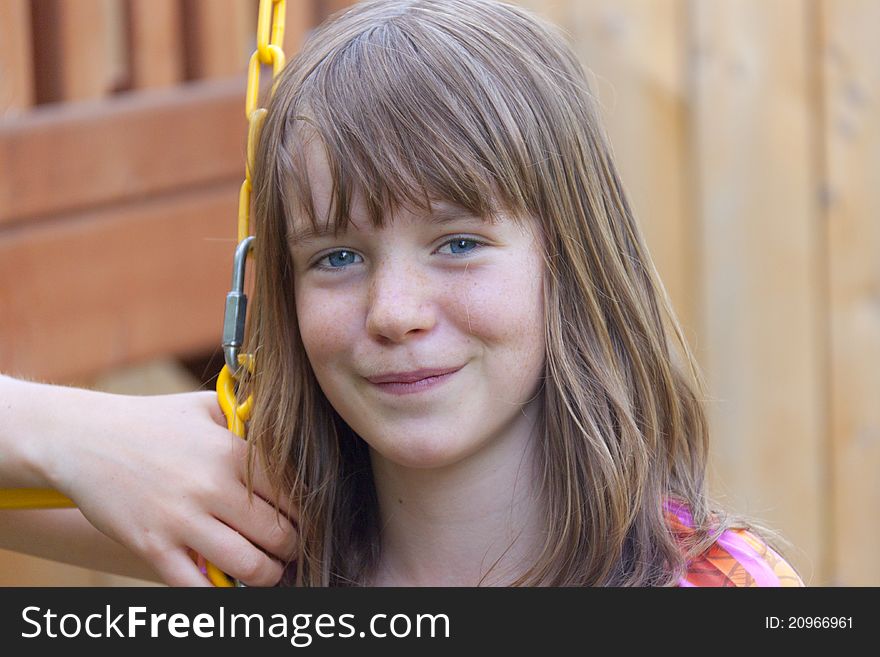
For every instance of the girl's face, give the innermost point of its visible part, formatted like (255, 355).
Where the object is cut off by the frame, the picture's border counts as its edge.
(459, 295)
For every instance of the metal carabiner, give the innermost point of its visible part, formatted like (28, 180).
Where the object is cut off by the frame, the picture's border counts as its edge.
(236, 308)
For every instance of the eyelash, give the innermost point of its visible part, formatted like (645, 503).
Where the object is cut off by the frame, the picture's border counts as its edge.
(458, 238)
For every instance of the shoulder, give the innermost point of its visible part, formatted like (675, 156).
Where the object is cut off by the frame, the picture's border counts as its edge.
(740, 558)
(737, 558)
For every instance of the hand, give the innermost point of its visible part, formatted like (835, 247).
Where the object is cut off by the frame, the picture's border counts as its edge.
(161, 475)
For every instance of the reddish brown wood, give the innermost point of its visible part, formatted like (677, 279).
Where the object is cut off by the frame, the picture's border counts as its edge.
(156, 45)
(220, 36)
(74, 156)
(16, 65)
(87, 293)
(77, 49)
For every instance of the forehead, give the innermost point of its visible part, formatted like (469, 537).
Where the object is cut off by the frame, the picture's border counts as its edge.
(302, 232)
(318, 178)
(317, 174)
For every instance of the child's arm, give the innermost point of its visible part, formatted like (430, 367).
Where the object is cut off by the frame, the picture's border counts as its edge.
(158, 475)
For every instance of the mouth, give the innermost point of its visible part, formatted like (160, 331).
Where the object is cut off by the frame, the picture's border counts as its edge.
(413, 376)
(418, 385)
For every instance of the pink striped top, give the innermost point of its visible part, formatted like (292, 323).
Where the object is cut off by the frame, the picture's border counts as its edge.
(737, 558)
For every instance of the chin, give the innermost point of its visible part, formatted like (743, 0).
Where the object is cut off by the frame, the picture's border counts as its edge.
(421, 454)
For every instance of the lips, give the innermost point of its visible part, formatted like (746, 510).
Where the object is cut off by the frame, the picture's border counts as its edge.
(412, 376)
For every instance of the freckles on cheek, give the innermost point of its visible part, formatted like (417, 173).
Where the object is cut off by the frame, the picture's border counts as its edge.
(323, 330)
(501, 308)
(474, 305)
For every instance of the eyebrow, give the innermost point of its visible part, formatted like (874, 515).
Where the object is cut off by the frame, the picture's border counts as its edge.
(442, 214)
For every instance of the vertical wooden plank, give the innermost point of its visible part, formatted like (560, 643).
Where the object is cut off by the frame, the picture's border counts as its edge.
(756, 146)
(117, 39)
(16, 67)
(634, 52)
(850, 58)
(46, 51)
(220, 36)
(79, 55)
(156, 44)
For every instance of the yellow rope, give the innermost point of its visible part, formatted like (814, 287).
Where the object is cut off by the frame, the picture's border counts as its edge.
(270, 41)
(33, 498)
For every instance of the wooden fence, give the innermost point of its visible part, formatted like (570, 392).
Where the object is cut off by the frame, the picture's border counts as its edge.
(747, 132)
(121, 151)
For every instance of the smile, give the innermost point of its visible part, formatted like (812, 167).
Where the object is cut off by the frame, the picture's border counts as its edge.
(422, 385)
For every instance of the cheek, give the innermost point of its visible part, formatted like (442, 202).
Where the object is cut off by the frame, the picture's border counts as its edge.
(501, 310)
(506, 308)
(323, 331)
(504, 313)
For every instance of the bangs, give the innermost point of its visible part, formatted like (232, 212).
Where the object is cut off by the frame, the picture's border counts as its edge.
(406, 114)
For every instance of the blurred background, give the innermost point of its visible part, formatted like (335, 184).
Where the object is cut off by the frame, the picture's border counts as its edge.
(748, 137)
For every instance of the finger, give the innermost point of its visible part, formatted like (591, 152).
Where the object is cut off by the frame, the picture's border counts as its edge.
(282, 504)
(176, 568)
(262, 525)
(236, 556)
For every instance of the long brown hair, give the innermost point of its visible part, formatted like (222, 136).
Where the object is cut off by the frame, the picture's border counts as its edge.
(481, 103)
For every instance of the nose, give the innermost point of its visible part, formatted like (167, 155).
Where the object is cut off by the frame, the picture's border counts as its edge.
(400, 303)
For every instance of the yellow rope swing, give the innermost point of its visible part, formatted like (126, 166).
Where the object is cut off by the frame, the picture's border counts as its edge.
(269, 52)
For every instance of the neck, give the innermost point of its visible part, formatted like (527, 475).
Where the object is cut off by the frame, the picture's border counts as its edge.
(448, 526)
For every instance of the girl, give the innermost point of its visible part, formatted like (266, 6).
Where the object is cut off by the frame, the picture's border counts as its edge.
(468, 371)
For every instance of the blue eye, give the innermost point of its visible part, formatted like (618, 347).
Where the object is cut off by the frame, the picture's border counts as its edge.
(339, 260)
(458, 241)
(342, 258)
